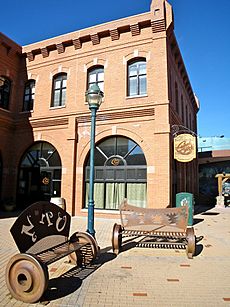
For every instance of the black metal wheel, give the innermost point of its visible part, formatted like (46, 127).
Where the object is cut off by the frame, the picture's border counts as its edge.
(26, 278)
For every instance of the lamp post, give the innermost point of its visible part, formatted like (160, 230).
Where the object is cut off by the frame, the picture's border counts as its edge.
(94, 98)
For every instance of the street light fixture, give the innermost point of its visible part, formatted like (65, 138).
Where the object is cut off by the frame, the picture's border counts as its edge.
(94, 97)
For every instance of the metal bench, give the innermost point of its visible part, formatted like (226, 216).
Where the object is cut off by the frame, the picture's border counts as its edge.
(41, 233)
(159, 228)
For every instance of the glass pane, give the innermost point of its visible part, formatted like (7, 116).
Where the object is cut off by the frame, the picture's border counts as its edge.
(115, 194)
(92, 78)
(101, 86)
(99, 159)
(100, 76)
(99, 195)
(142, 69)
(64, 83)
(57, 84)
(56, 98)
(99, 174)
(108, 147)
(133, 70)
(136, 194)
(27, 91)
(133, 86)
(63, 97)
(142, 85)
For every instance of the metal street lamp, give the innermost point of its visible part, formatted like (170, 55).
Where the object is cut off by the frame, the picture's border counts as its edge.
(94, 98)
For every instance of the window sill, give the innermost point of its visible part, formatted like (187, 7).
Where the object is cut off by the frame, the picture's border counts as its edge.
(58, 107)
(136, 96)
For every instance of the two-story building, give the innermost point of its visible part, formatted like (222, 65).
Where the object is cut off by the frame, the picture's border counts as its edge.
(45, 121)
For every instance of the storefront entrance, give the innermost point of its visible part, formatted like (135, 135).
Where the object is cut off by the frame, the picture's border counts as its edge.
(39, 174)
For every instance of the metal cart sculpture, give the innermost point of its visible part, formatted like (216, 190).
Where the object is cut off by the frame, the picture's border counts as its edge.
(159, 228)
(41, 234)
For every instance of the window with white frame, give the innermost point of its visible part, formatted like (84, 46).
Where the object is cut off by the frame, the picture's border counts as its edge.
(96, 76)
(137, 81)
(59, 90)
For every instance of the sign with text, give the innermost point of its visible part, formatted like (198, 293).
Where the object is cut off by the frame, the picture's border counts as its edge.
(184, 147)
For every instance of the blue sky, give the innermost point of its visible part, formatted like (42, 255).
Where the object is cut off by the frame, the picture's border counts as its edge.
(201, 27)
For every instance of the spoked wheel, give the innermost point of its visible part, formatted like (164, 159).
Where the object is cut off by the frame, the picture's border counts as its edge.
(116, 238)
(26, 278)
(87, 253)
(191, 242)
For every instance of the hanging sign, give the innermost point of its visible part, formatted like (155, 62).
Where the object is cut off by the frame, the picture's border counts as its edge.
(184, 147)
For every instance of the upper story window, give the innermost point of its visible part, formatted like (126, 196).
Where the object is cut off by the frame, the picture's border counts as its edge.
(28, 102)
(5, 85)
(137, 83)
(96, 76)
(59, 90)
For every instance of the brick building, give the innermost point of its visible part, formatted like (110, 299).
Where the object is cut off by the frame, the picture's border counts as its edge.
(45, 121)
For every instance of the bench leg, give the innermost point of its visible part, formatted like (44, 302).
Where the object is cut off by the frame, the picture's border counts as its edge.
(191, 242)
(26, 278)
(83, 256)
(117, 238)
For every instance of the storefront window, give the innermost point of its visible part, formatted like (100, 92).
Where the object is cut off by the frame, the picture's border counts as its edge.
(120, 172)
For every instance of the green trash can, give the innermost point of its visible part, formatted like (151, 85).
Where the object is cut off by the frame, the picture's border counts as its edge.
(186, 199)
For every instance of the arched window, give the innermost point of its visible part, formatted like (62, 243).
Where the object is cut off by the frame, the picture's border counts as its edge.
(137, 81)
(28, 101)
(96, 76)
(59, 90)
(5, 85)
(120, 172)
(39, 174)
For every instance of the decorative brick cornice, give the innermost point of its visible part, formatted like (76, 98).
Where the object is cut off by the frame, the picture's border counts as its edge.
(135, 29)
(77, 43)
(95, 39)
(30, 56)
(60, 48)
(158, 26)
(114, 34)
(44, 52)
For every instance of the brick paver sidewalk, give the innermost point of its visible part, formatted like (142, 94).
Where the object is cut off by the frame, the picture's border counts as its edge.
(137, 276)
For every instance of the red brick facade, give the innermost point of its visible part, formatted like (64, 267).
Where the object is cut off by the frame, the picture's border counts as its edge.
(145, 119)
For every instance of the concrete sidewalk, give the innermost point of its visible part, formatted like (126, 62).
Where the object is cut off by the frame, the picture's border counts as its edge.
(137, 276)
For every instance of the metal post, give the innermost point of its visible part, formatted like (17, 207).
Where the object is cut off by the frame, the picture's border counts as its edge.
(90, 228)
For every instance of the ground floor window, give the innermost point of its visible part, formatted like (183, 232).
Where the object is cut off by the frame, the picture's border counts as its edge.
(39, 174)
(120, 172)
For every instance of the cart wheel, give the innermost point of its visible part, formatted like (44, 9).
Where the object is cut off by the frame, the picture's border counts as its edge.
(26, 278)
(116, 238)
(87, 253)
(191, 242)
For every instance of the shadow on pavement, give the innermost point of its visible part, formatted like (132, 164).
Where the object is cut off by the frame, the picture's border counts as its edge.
(70, 281)
(6, 214)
